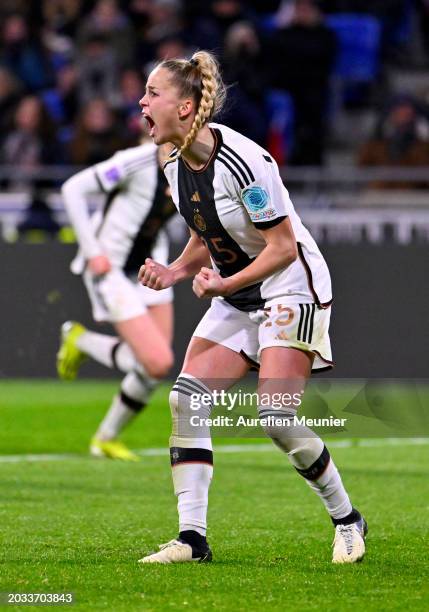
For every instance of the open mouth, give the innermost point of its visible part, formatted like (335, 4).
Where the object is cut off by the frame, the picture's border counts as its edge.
(151, 124)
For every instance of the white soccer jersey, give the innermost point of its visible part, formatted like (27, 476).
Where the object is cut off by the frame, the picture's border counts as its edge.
(238, 192)
(137, 206)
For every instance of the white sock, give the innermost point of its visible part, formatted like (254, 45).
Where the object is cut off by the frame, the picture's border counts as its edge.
(118, 415)
(191, 453)
(108, 350)
(191, 485)
(311, 459)
(135, 392)
(329, 487)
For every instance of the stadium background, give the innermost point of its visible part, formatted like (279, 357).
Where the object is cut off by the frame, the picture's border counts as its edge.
(337, 91)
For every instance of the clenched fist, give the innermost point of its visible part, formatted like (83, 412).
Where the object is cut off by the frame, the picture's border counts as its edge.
(99, 265)
(208, 283)
(155, 276)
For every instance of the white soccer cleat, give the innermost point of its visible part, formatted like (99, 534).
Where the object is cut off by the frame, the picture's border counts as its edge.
(177, 551)
(349, 542)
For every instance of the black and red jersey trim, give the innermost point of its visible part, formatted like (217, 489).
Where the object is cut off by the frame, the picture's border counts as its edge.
(264, 225)
(307, 269)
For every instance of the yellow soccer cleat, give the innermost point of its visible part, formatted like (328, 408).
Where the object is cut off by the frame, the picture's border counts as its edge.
(70, 357)
(112, 449)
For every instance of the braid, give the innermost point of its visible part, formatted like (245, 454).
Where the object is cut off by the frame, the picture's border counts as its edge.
(199, 77)
(208, 97)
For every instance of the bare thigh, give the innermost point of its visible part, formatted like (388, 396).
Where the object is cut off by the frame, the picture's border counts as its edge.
(284, 370)
(217, 366)
(149, 341)
(163, 315)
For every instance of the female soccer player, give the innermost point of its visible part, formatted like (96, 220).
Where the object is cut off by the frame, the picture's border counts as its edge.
(112, 244)
(271, 293)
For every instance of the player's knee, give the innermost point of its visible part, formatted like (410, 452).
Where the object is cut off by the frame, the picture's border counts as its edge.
(190, 397)
(308, 452)
(301, 444)
(159, 364)
(173, 400)
(276, 423)
(180, 405)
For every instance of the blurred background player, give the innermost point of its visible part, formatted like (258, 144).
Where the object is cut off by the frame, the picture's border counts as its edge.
(113, 243)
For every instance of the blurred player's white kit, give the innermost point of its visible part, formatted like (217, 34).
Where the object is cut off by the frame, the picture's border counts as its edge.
(126, 229)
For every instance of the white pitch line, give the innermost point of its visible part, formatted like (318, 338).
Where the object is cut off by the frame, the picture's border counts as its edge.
(228, 448)
(41, 457)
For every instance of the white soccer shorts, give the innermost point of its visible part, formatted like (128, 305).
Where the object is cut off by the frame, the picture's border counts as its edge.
(301, 326)
(115, 297)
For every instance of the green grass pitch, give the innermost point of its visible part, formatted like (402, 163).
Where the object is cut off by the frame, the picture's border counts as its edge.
(74, 524)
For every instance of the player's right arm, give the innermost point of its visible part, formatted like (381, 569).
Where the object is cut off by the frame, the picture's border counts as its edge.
(103, 178)
(194, 256)
(75, 193)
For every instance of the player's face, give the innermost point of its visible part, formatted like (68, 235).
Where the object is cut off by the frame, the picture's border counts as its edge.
(161, 107)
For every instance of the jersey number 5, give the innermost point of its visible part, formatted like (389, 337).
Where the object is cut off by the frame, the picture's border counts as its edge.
(285, 318)
(227, 255)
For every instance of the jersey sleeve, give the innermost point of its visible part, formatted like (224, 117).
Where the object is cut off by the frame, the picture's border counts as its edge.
(110, 173)
(265, 198)
(115, 171)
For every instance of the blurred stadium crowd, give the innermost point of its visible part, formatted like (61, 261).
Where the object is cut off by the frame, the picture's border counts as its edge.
(337, 87)
(317, 82)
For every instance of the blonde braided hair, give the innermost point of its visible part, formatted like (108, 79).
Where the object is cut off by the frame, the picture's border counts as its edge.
(200, 79)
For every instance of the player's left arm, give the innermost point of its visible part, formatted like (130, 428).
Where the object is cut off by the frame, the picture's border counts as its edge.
(280, 251)
(267, 204)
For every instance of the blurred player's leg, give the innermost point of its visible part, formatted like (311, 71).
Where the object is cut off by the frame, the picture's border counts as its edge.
(149, 337)
(143, 345)
(306, 451)
(142, 350)
(130, 401)
(148, 340)
(79, 344)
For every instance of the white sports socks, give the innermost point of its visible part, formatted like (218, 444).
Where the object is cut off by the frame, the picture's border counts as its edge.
(108, 350)
(310, 457)
(133, 396)
(190, 453)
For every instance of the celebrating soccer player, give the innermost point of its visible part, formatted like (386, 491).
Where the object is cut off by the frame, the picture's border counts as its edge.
(271, 293)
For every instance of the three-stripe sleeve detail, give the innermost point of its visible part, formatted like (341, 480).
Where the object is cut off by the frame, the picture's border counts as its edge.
(231, 169)
(241, 171)
(236, 165)
(225, 148)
